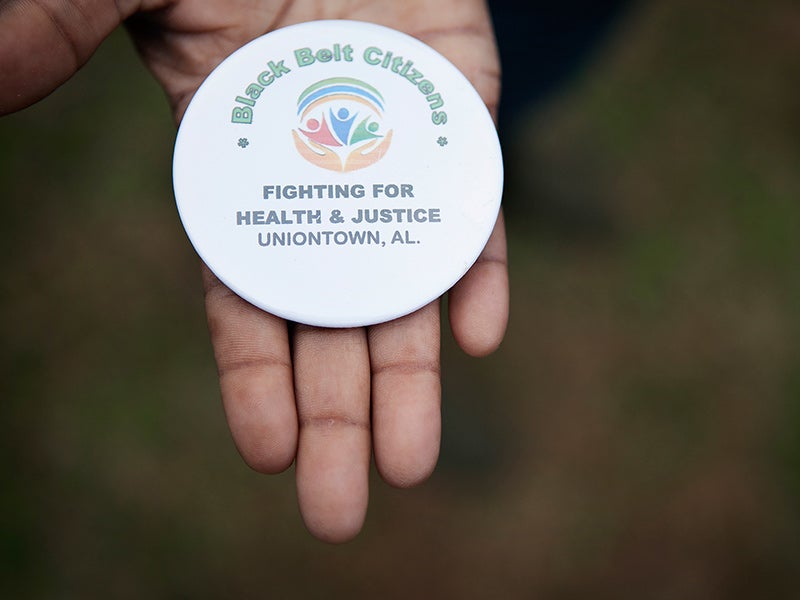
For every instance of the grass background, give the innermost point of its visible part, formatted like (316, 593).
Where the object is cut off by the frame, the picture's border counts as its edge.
(637, 436)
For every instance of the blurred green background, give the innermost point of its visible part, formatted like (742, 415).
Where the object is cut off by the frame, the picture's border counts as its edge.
(637, 436)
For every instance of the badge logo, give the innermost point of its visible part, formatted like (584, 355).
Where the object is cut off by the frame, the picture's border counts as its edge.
(341, 124)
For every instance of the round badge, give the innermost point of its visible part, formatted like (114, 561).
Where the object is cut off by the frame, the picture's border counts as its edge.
(337, 173)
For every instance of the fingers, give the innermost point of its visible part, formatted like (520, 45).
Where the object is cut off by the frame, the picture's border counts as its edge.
(255, 374)
(479, 301)
(332, 387)
(406, 396)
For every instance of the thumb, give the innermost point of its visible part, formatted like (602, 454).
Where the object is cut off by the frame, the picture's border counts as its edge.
(44, 42)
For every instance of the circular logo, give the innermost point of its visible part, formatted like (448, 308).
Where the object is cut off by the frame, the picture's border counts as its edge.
(341, 124)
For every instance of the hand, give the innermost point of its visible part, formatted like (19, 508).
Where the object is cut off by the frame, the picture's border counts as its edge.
(328, 397)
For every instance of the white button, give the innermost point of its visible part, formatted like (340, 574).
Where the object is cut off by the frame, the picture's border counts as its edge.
(337, 173)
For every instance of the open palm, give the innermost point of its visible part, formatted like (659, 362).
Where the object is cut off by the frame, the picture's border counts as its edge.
(328, 398)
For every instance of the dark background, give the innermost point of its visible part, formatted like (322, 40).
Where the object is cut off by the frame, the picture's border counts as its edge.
(637, 435)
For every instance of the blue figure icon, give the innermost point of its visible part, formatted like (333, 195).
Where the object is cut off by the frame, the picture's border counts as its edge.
(342, 122)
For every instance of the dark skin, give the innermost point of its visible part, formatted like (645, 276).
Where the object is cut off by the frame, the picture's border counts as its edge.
(329, 398)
